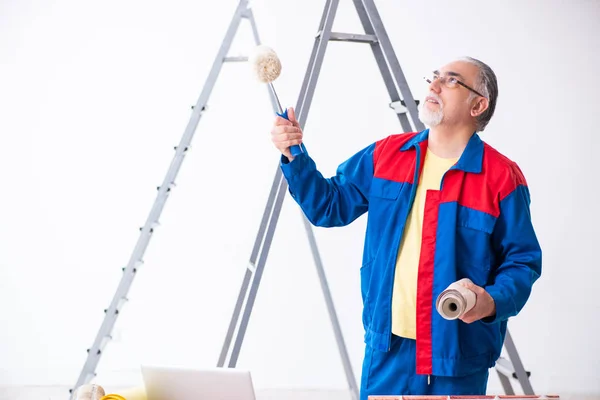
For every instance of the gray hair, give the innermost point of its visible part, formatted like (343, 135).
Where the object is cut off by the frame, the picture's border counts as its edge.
(487, 85)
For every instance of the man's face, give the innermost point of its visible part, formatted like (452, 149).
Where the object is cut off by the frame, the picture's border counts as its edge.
(447, 102)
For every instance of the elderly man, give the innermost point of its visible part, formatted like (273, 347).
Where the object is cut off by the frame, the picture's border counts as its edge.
(442, 205)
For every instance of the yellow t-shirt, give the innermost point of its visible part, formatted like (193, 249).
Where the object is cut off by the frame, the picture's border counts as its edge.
(404, 296)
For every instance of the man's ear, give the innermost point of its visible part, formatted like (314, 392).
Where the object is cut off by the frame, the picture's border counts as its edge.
(479, 106)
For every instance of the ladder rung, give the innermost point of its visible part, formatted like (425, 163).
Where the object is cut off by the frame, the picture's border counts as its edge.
(251, 266)
(122, 301)
(351, 37)
(398, 107)
(105, 340)
(236, 59)
(506, 368)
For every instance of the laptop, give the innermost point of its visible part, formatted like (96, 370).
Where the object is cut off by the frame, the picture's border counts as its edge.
(172, 383)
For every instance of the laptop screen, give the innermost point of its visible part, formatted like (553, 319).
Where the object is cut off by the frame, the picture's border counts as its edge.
(173, 383)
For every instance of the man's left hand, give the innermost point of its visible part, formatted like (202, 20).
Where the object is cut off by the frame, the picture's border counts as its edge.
(484, 305)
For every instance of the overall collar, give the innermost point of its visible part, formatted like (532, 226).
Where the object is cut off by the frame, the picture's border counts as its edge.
(471, 159)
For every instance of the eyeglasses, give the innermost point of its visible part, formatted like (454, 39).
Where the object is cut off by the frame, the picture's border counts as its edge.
(451, 82)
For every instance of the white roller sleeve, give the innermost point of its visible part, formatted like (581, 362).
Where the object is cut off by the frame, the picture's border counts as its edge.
(265, 64)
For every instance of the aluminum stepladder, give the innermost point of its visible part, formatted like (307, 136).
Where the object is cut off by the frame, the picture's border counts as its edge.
(403, 103)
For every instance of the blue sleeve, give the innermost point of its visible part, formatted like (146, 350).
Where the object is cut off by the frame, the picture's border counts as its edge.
(335, 201)
(519, 254)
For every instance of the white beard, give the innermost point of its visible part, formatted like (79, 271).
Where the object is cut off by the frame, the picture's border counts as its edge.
(429, 117)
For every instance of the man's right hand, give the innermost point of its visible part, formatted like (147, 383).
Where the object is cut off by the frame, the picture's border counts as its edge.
(286, 133)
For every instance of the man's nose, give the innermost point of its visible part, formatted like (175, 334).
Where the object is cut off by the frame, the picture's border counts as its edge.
(435, 86)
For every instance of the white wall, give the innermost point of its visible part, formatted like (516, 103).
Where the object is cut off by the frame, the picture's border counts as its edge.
(95, 94)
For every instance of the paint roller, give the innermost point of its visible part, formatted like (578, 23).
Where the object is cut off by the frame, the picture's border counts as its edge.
(267, 67)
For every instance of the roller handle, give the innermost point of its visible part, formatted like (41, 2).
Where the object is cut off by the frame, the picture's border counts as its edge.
(296, 150)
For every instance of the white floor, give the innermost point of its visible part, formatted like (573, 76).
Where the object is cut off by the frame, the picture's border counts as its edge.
(62, 393)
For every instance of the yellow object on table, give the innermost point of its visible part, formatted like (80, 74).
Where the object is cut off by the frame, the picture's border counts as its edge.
(135, 393)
